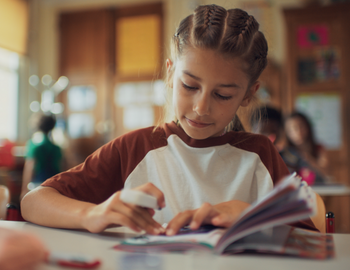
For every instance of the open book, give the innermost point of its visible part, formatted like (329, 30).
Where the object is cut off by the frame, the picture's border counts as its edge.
(259, 228)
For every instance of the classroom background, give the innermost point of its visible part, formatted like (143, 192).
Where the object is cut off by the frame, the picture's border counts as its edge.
(99, 65)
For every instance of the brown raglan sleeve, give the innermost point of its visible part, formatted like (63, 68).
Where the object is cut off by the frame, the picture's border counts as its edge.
(106, 170)
(96, 179)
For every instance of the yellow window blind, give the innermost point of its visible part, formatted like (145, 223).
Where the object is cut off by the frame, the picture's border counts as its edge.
(14, 25)
(138, 45)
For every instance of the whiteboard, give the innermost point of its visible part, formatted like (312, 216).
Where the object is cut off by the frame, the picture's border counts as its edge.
(324, 112)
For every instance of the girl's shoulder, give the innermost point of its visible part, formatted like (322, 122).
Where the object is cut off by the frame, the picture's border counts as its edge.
(144, 137)
(252, 141)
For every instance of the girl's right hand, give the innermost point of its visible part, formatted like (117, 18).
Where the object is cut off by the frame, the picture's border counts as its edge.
(113, 212)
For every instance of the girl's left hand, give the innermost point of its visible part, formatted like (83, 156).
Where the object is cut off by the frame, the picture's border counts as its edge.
(223, 215)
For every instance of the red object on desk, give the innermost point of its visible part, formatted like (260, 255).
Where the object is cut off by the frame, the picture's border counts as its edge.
(13, 213)
(330, 222)
(73, 261)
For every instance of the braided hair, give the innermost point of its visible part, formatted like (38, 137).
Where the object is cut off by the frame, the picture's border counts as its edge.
(231, 32)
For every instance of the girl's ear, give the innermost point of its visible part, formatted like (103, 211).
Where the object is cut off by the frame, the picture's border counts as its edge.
(169, 69)
(169, 65)
(251, 92)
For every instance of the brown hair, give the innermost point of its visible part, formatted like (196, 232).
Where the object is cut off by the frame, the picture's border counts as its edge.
(231, 32)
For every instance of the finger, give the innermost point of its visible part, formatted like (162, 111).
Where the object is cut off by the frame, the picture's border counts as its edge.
(139, 215)
(203, 214)
(151, 226)
(151, 189)
(223, 220)
(121, 219)
(151, 211)
(180, 220)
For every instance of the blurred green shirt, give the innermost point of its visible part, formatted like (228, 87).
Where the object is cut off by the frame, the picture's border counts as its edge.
(47, 157)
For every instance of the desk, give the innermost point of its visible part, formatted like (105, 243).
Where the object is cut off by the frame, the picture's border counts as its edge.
(336, 198)
(99, 245)
(331, 190)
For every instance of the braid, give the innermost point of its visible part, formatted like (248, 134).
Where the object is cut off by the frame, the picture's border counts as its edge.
(240, 29)
(232, 32)
(208, 25)
(181, 37)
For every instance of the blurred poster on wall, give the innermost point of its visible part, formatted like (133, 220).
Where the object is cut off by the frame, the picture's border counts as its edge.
(321, 65)
(324, 112)
(313, 35)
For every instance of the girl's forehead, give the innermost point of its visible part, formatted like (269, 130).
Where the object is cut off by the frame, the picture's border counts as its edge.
(211, 61)
(198, 54)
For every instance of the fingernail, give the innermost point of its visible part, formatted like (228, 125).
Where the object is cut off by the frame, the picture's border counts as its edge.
(216, 220)
(170, 232)
(156, 231)
(193, 225)
(161, 229)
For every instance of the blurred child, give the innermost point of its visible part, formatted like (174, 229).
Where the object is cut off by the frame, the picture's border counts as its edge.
(200, 170)
(303, 154)
(44, 158)
(268, 121)
(20, 251)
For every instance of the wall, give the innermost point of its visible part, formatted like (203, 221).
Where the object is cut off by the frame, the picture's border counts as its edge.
(44, 27)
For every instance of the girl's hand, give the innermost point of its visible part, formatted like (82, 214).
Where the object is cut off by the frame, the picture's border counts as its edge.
(115, 212)
(223, 215)
(19, 250)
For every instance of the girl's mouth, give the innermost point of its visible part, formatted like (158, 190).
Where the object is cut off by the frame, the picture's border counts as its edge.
(197, 124)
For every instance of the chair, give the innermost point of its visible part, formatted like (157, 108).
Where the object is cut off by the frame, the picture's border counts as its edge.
(4, 200)
(320, 218)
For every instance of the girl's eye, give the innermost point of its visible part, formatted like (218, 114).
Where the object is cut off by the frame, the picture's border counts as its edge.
(189, 87)
(223, 97)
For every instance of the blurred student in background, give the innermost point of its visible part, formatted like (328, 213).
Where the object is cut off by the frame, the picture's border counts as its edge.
(294, 141)
(20, 251)
(44, 158)
(312, 163)
(268, 121)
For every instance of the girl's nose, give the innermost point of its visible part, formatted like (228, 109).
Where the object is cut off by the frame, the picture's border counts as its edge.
(202, 105)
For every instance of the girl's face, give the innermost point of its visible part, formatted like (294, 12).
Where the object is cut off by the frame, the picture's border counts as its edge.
(296, 130)
(207, 91)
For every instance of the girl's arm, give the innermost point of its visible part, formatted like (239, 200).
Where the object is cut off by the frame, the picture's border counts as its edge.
(46, 206)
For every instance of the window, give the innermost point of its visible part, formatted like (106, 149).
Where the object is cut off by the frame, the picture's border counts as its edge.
(9, 64)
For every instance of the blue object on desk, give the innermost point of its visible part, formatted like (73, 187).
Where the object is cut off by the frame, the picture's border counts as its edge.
(140, 261)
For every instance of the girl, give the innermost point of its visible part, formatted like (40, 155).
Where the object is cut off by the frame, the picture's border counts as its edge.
(199, 170)
(311, 158)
